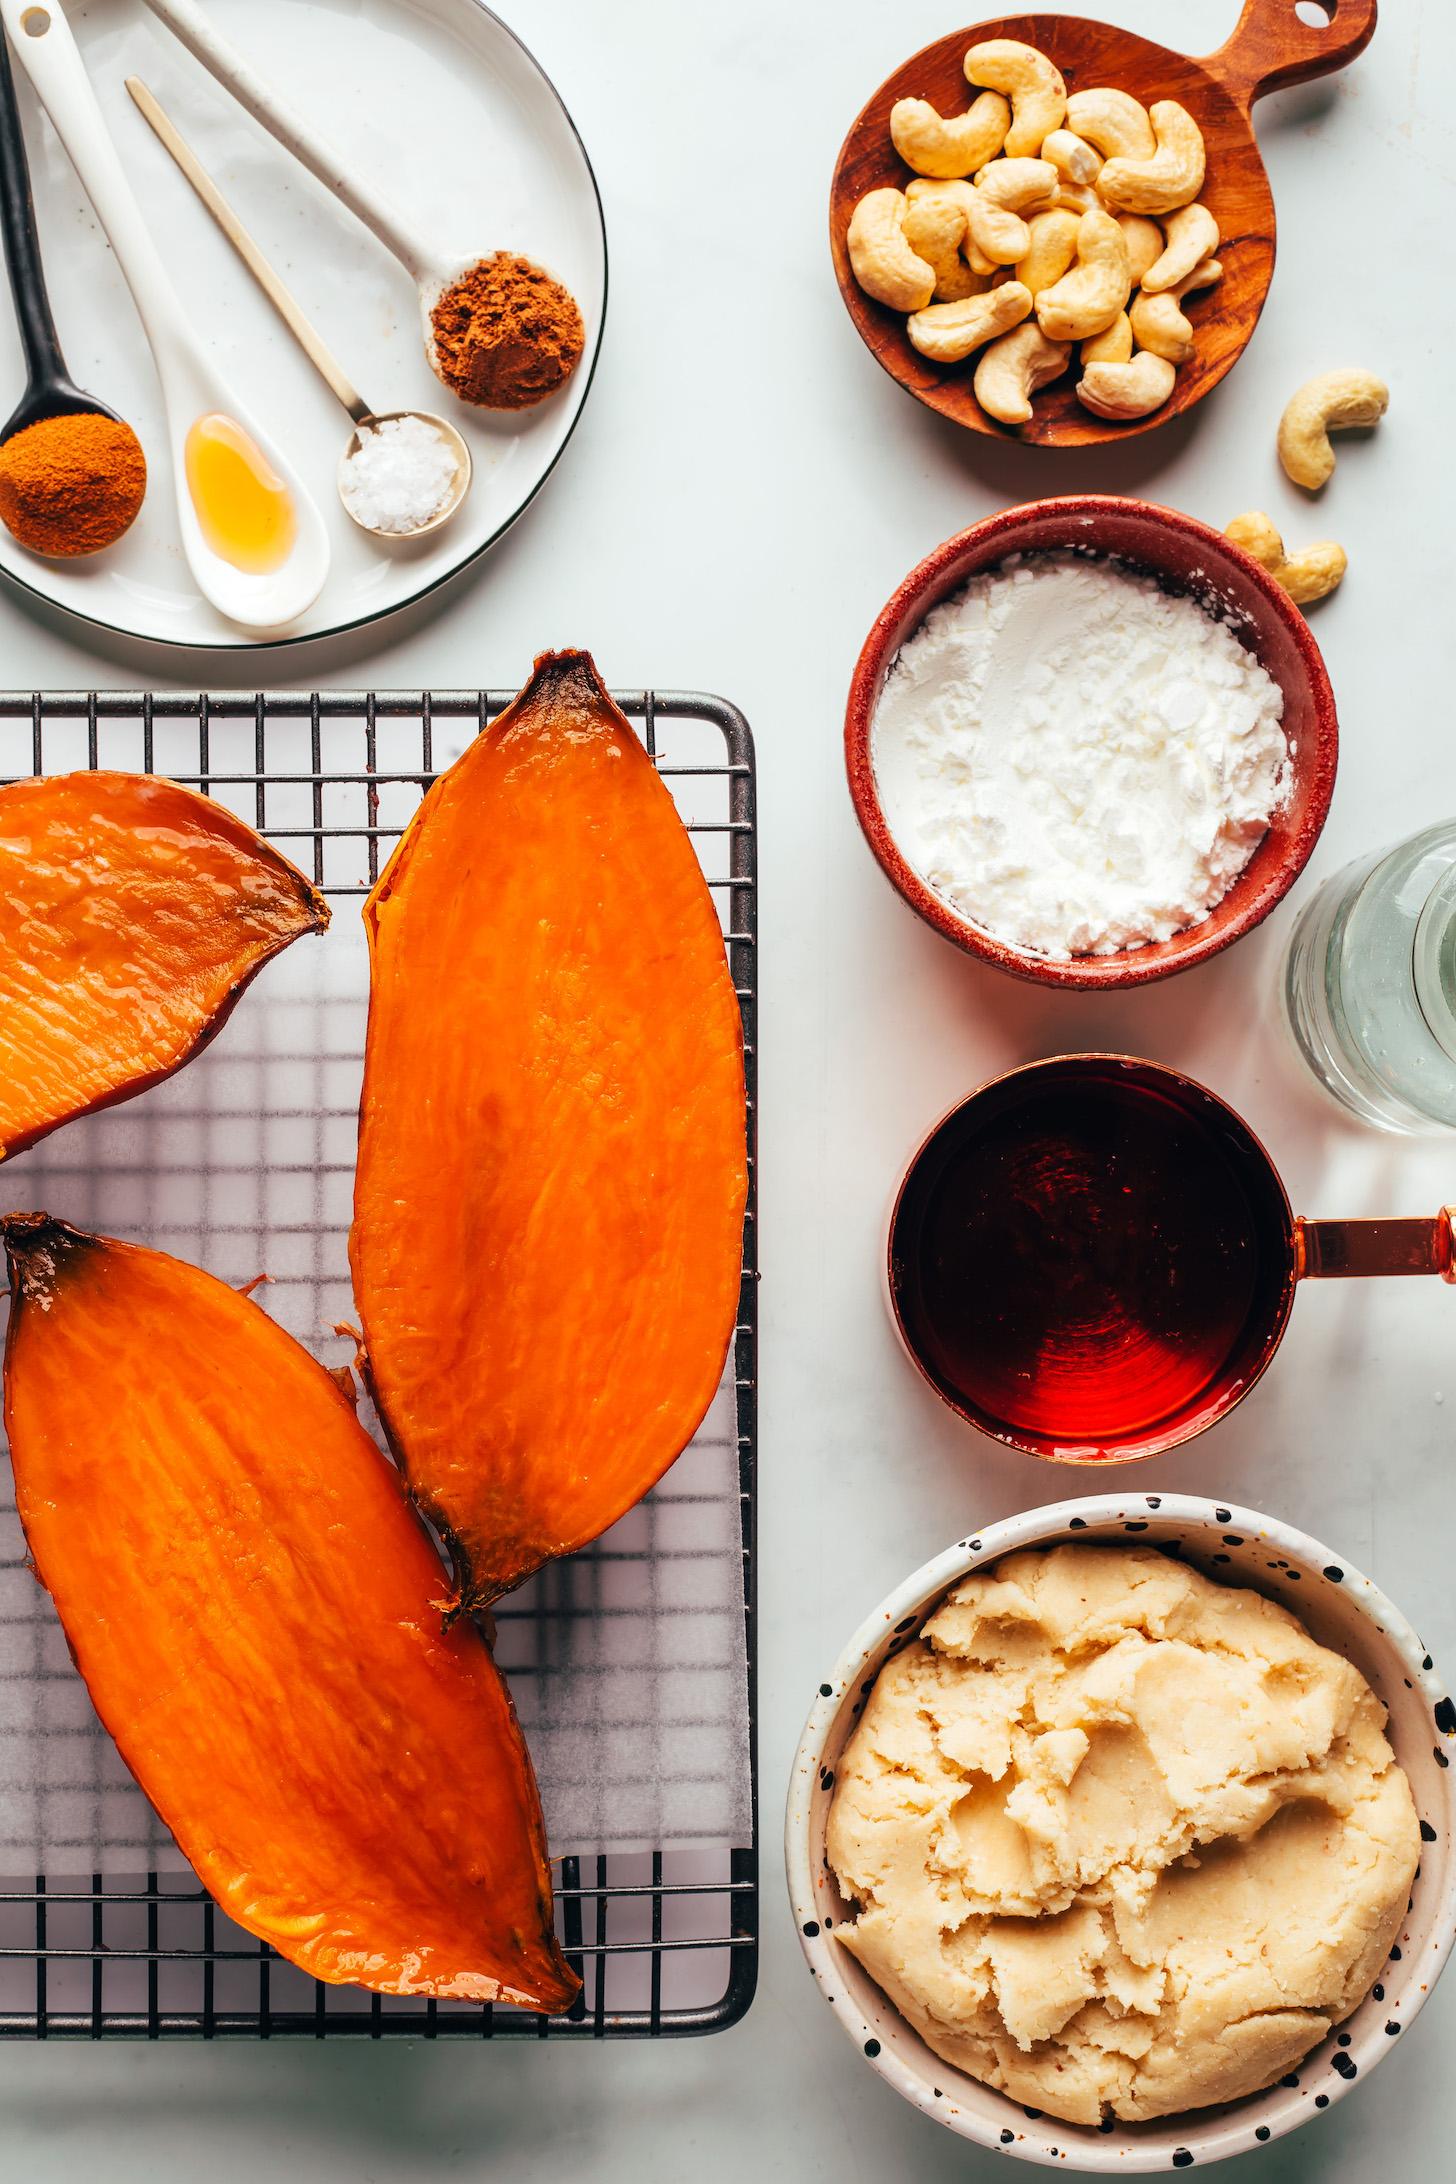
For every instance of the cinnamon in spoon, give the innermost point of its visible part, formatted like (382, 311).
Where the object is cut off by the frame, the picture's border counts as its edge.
(506, 334)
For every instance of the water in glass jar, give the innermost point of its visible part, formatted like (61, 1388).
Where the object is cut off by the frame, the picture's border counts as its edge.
(1370, 984)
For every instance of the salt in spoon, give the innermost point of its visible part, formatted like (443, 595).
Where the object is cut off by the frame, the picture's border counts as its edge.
(50, 390)
(432, 273)
(304, 332)
(192, 386)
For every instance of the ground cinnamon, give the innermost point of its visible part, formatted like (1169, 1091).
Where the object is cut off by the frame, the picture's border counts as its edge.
(506, 333)
(71, 485)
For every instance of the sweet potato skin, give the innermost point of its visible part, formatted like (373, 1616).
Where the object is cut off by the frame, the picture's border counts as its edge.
(255, 1608)
(548, 1213)
(133, 912)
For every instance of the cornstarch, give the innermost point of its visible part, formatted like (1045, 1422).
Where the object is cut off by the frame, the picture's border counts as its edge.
(1075, 759)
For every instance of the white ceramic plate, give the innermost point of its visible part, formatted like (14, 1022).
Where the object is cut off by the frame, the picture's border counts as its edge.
(437, 100)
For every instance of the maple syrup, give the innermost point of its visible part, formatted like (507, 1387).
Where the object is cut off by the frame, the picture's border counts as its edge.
(1089, 1254)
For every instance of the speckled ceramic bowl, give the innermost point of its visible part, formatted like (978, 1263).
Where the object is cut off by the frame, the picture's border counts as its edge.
(1189, 556)
(1342, 1610)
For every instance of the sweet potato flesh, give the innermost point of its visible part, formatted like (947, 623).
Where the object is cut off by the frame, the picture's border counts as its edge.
(132, 914)
(255, 1609)
(548, 1215)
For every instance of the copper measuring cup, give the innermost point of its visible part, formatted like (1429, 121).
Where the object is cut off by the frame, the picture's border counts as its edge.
(1093, 1258)
(1271, 47)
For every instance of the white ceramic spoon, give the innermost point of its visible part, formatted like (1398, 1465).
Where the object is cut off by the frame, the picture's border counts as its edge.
(431, 270)
(192, 386)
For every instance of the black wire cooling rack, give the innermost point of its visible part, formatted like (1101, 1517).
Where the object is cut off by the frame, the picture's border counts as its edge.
(665, 1940)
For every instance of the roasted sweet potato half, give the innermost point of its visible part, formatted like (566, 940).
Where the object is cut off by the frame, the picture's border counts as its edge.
(548, 1212)
(255, 1608)
(133, 912)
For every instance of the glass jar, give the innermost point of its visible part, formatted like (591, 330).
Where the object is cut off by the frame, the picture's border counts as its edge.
(1370, 984)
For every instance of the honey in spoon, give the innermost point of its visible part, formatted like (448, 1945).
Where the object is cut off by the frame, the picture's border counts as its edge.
(244, 509)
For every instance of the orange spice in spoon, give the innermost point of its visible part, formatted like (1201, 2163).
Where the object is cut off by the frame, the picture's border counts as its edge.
(71, 484)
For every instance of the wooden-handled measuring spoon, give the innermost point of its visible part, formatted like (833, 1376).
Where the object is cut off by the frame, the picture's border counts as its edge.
(286, 304)
(432, 272)
(50, 390)
(1271, 47)
(192, 386)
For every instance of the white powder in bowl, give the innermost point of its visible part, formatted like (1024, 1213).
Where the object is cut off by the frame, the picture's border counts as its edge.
(1076, 760)
(400, 475)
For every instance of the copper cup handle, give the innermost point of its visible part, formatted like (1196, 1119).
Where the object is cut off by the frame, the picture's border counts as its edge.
(1341, 1250)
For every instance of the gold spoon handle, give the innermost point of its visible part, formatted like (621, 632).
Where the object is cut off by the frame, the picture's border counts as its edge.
(284, 302)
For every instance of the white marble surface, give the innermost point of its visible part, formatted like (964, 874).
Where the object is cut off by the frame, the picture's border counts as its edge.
(744, 490)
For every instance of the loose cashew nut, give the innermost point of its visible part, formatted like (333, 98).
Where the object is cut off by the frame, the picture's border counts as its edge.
(884, 264)
(946, 332)
(1053, 247)
(1126, 390)
(1003, 192)
(1112, 347)
(1035, 88)
(1088, 299)
(945, 146)
(1334, 402)
(1114, 121)
(1311, 574)
(1257, 535)
(935, 228)
(1144, 242)
(1192, 234)
(1172, 177)
(1159, 322)
(1013, 369)
(1073, 157)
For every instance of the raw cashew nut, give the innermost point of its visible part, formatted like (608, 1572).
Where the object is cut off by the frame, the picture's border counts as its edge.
(946, 332)
(1052, 249)
(1112, 347)
(1144, 242)
(1159, 322)
(1073, 157)
(1037, 93)
(949, 145)
(1127, 390)
(1013, 369)
(1114, 121)
(935, 228)
(958, 193)
(1334, 402)
(1088, 299)
(884, 264)
(1311, 574)
(1172, 177)
(1192, 234)
(1257, 535)
(1077, 197)
(1018, 185)
(1005, 190)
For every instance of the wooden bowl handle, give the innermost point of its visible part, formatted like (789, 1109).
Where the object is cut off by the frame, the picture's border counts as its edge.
(1271, 47)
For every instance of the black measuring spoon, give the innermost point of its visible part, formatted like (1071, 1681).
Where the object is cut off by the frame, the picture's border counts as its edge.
(50, 390)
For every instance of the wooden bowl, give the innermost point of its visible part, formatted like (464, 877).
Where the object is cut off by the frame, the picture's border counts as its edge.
(1271, 48)
(1188, 556)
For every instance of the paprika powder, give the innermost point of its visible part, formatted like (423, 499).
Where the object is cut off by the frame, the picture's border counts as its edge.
(71, 485)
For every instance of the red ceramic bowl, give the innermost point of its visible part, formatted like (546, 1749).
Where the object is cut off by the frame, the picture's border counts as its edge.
(1189, 556)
